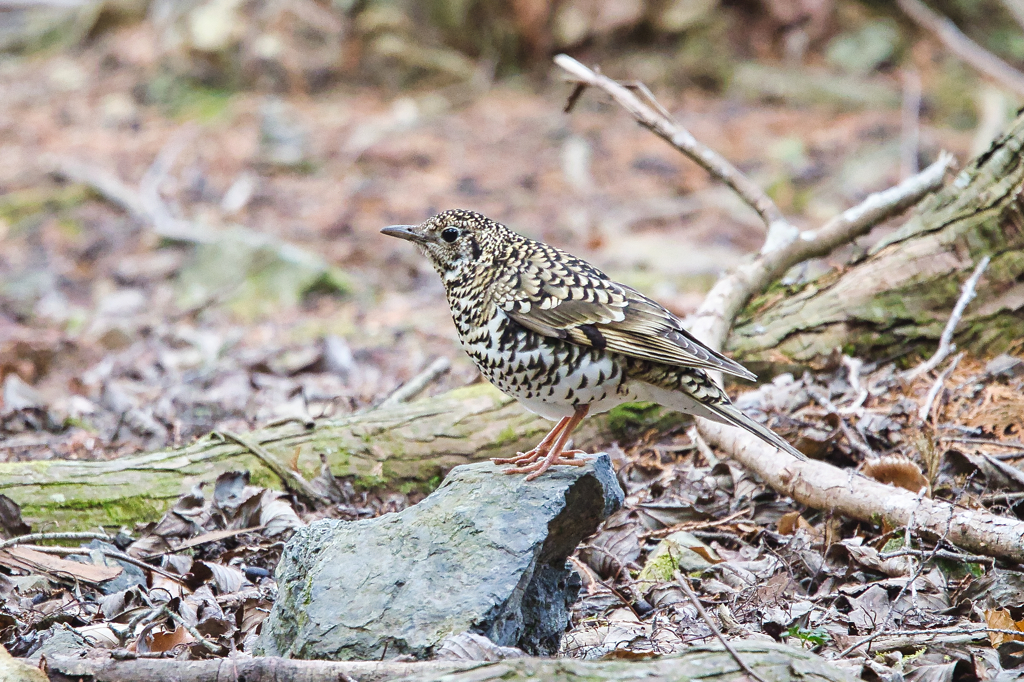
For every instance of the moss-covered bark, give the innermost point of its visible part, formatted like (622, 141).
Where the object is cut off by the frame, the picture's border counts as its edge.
(896, 299)
(773, 662)
(400, 447)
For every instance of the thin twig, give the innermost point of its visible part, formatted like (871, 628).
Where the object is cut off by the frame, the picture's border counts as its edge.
(120, 556)
(933, 392)
(959, 630)
(946, 345)
(963, 47)
(688, 591)
(939, 554)
(693, 525)
(651, 117)
(36, 537)
(117, 192)
(415, 386)
(702, 447)
(856, 441)
(215, 649)
(853, 369)
(910, 141)
(290, 479)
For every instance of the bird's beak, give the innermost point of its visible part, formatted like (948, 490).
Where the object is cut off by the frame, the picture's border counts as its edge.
(407, 232)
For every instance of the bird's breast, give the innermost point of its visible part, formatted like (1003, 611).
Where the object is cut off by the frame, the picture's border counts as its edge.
(548, 375)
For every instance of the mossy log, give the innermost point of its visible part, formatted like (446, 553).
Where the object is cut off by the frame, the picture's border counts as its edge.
(404, 447)
(773, 662)
(895, 300)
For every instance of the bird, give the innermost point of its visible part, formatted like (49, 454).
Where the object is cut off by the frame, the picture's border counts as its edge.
(564, 339)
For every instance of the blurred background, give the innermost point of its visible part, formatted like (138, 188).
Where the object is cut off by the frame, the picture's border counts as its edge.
(191, 190)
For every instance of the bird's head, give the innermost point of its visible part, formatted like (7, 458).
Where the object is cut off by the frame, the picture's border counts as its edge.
(455, 241)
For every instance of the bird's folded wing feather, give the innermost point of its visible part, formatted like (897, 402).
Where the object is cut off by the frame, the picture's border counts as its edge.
(558, 295)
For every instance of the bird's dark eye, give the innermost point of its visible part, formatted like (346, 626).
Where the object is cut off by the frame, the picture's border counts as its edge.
(449, 234)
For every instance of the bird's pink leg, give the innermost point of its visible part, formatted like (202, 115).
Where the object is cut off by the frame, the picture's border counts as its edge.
(523, 458)
(554, 455)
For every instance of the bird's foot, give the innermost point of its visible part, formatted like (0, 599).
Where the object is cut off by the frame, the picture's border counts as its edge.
(521, 458)
(535, 469)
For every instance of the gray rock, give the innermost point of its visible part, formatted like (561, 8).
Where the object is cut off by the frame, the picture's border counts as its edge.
(484, 553)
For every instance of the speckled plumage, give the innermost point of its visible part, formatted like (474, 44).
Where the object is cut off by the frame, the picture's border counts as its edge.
(557, 334)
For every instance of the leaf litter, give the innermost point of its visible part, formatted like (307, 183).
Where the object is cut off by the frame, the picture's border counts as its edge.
(102, 354)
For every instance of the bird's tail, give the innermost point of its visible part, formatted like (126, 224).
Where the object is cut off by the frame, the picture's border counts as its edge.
(731, 414)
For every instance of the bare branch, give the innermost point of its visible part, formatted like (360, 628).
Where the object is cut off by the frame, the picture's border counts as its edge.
(946, 345)
(933, 392)
(1016, 8)
(117, 192)
(669, 130)
(36, 537)
(963, 47)
(723, 303)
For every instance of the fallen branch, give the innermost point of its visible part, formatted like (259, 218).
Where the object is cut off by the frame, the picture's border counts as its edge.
(408, 444)
(772, 662)
(963, 47)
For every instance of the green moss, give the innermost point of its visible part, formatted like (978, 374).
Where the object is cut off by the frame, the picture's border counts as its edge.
(264, 477)
(370, 482)
(183, 99)
(16, 206)
(508, 435)
(83, 515)
(660, 568)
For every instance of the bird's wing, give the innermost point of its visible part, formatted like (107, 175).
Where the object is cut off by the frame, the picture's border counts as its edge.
(558, 295)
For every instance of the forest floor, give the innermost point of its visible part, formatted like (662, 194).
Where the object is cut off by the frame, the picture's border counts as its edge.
(114, 340)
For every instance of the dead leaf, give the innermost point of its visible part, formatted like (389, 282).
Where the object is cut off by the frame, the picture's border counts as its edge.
(11, 524)
(789, 523)
(469, 646)
(160, 641)
(897, 470)
(30, 560)
(1001, 619)
(252, 614)
(227, 579)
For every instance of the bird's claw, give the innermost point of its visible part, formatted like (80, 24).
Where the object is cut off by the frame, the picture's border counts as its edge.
(521, 458)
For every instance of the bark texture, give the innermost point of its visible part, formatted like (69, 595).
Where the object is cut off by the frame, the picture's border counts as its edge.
(896, 299)
(402, 447)
(773, 662)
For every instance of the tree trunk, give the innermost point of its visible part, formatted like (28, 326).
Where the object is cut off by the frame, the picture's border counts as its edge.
(897, 298)
(773, 662)
(407, 446)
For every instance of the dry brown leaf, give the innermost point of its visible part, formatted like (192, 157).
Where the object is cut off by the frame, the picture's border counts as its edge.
(897, 470)
(30, 560)
(159, 642)
(1002, 620)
